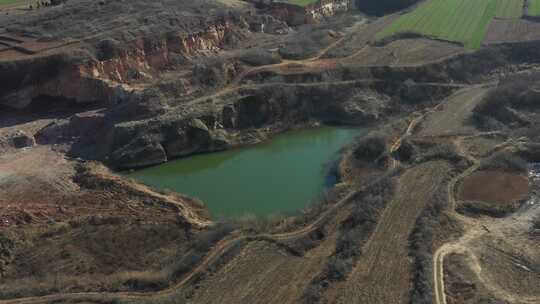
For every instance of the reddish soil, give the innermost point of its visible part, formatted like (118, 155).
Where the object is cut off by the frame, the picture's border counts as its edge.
(37, 186)
(494, 187)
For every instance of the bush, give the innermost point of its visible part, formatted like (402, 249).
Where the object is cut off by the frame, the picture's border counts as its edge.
(476, 209)
(445, 151)
(107, 49)
(513, 93)
(259, 57)
(370, 148)
(202, 245)
(6, 252)
(406, 151)
(338, 268)
(536, 223)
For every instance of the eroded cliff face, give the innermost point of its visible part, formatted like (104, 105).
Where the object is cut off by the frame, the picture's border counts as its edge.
(327, 8)
(149, 56)
(297, 15)
(113, 79)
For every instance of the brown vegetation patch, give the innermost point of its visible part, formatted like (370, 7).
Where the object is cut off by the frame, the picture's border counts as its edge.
(495, 187)
(503, 31)
(406, 52)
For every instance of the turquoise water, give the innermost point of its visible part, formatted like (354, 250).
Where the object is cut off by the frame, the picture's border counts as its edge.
(280, 176)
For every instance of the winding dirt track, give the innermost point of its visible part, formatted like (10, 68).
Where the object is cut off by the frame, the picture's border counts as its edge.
(438, 257)
(220, 249)
(227, 244)
(474, 229)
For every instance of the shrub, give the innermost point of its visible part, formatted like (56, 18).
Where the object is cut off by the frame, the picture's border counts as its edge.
(499, 105)
(107, 49)
(445, 151)
(202, 245)
(370, 148)
(476, 208)
(406, 151)
(536, 223)
(259, 57)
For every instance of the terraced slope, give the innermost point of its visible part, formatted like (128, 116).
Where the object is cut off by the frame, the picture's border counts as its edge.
(384, 260)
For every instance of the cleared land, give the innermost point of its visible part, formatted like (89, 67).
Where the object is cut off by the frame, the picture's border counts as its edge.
(456, 111)
(400, 52)
(486, 186)
(461, 21)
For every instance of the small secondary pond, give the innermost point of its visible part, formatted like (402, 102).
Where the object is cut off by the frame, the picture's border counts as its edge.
(280, 176)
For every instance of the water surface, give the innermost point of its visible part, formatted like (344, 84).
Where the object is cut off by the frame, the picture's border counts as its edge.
(280, 176)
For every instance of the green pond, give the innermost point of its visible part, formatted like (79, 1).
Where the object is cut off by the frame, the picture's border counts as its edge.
(280, 176)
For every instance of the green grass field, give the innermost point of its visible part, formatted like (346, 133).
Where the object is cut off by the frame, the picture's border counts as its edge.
(300, 2)
(510, 9)
(534, 8)
(12, 3)
(463, 21)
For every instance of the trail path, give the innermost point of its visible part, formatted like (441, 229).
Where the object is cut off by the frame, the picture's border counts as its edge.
(227, 244)
(219, 250)
(474, 229)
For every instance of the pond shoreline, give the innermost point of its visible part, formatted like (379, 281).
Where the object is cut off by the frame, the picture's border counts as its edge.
(310, 158)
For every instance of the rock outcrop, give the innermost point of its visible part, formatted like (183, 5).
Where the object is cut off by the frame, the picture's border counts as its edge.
(295, 15)
(107, 78)
(327, 8)
(22, 140)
